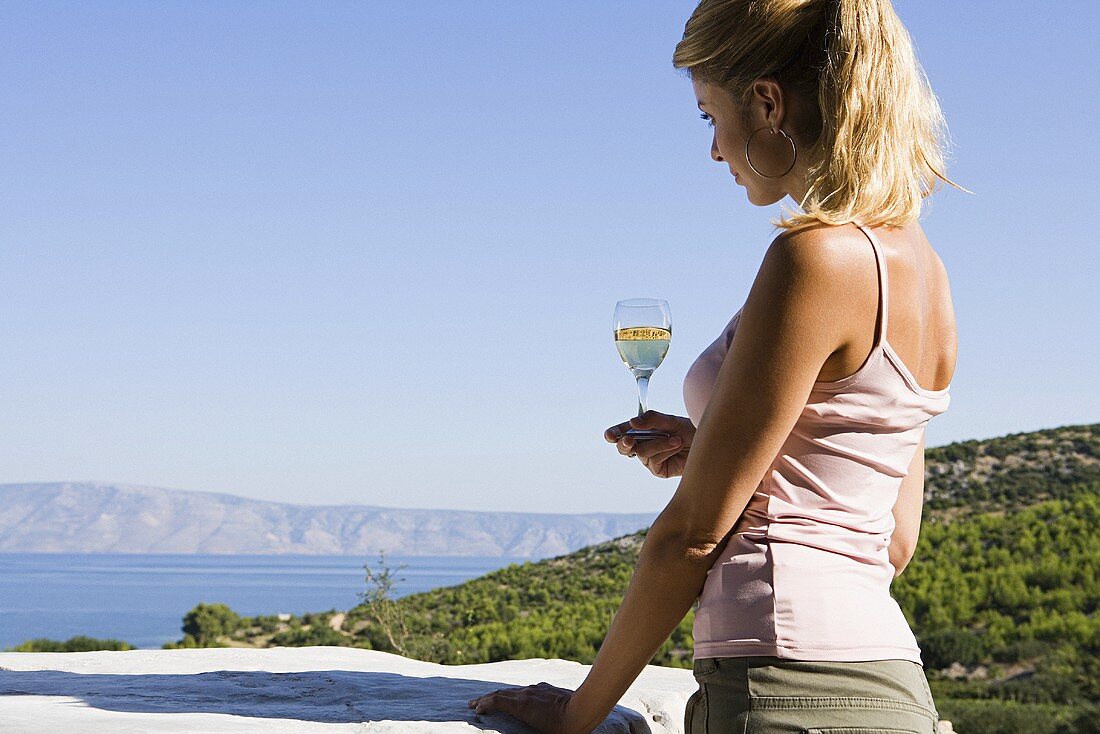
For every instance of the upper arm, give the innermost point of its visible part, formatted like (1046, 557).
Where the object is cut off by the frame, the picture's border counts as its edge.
(907, 512)
(788, 328)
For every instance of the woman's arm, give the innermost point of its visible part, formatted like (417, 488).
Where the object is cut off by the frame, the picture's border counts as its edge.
(907, 513)
(789, 327)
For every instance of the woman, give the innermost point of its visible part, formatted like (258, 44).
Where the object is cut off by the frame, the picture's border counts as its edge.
(801, 488)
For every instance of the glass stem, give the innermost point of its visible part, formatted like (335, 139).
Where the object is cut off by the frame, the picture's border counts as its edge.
(643, 394)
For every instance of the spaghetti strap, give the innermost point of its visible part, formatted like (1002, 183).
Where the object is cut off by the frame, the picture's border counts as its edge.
(883, 280)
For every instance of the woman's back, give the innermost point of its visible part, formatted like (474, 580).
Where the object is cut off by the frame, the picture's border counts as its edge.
(921, 329)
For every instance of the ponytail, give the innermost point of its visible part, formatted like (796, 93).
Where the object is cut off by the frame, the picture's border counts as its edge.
(878, 151)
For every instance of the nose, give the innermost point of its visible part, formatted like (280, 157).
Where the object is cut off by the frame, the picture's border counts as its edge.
(714, 152)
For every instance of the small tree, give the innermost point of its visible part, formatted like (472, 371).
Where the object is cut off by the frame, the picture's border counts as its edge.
(207, 622)
(381, 606)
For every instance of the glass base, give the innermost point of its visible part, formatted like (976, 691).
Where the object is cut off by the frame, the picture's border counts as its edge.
(645, 434)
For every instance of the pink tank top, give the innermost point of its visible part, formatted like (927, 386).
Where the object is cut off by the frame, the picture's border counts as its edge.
(806, 573)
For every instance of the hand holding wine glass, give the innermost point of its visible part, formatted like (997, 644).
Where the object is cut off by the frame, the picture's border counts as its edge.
(664, 457)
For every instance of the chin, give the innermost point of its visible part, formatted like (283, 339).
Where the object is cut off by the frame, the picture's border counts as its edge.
(764, 198)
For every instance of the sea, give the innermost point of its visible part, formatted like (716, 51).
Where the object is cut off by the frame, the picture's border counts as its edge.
(141, 599)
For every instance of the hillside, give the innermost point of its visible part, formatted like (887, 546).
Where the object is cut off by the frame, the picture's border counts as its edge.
(1002, 593)
(1013, 470)
(88, 517)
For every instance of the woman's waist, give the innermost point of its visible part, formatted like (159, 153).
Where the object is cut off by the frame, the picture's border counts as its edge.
(789, 593)
(754, 531)
(785, 562)
(814, 514)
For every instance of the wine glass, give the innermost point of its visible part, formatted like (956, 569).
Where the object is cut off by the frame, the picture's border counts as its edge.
(643, 330)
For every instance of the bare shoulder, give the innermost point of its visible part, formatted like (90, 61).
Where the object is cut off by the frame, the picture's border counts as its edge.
(806, 287)
(821, 259)
(825, 246)
(818, 241)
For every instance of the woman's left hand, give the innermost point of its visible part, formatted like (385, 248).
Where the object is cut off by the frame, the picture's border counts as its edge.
(542, 706)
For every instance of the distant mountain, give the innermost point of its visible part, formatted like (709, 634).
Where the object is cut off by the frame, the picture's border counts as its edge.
(88, 517)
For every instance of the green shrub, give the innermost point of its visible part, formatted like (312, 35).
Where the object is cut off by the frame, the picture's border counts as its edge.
(306, 636)
(80, 643)
(1006, 717)
(942, 648)
(207, 622)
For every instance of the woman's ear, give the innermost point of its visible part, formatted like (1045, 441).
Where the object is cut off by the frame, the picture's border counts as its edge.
(766, 102)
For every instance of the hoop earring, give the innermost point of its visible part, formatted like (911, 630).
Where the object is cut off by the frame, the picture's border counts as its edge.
(794, 152)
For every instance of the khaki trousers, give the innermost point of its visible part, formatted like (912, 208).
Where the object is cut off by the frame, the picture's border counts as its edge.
(769, 695)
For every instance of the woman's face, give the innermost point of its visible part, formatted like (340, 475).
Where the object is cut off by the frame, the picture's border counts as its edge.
(770, 153)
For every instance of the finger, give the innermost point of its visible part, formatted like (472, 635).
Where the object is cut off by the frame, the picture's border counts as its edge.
(615, 432)
(507, 701)
(657, 465)
(627, 445)
(655, 447)
(488, 699)
(653, 419)
(494, 701)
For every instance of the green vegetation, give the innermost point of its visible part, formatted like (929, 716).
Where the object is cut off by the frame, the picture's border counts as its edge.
(204, 625)
(1002, 593)
(216, 625)
(1004, 606)
(79, 643)
(1011, 471)
(556, 608)
(380, 606)
(1011, 717)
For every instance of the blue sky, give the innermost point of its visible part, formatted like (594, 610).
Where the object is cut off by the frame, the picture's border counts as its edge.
(352, 252)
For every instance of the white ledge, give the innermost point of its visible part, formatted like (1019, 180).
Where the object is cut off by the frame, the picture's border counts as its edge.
(294, 689)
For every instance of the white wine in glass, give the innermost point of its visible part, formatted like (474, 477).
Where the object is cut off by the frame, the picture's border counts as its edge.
(643, 331)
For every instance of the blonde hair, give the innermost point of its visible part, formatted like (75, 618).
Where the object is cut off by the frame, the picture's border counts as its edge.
(877, 147)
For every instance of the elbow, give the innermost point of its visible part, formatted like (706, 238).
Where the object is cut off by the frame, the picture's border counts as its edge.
(692, 546)
(900, 554)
